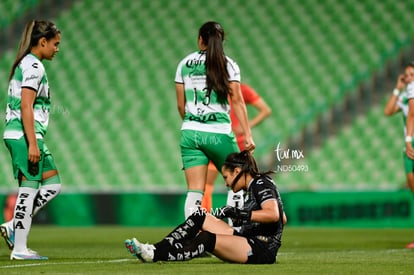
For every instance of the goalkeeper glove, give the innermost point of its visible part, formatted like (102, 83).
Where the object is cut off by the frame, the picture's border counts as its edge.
(234, 213)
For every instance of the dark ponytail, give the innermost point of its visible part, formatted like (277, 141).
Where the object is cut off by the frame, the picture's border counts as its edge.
(33, 31)
(212, 35)
(246, 162)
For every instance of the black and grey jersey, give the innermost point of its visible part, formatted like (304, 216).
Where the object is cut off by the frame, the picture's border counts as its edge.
(260, 190)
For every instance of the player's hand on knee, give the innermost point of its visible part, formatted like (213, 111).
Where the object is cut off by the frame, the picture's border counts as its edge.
(233, 213)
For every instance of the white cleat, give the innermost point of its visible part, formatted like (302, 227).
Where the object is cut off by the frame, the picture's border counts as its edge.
(144, 252)
(7, 233)
(28, 255)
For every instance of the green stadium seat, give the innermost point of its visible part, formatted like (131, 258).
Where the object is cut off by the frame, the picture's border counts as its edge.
(113, 81)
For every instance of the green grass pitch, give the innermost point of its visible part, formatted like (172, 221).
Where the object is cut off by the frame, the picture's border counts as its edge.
(100, 250)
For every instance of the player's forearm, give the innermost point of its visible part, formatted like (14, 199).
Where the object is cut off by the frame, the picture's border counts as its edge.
(28, 124)
(263, 112)
(259, 118)
(180, 97)
(265, 215)
(391, 106)
(239, 109)
(181, 111)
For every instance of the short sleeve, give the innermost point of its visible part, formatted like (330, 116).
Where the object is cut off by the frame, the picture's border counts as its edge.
(178, 73)
(410, 90)
(233, 70)
(32, 76)
(264, 190)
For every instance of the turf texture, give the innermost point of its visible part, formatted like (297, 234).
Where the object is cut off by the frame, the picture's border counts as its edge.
(100, 250)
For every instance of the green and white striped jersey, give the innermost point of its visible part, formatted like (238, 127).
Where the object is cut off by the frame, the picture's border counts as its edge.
(402, 102)
(30, 73)
(204, 112)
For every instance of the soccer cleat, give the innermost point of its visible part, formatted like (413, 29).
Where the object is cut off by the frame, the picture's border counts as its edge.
(144, 252)
(29, 255)
(8, 234)
(130, 246)
(31, 251)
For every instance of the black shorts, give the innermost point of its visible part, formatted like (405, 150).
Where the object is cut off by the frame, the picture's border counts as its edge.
(264, 250)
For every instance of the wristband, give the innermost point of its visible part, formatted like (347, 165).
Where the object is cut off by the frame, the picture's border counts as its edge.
(396, 92)
(408, 139)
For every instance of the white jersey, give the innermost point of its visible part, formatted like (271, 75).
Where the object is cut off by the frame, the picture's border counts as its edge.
(402, 103)
(403, 99)
(30, 73)
(410, 90)
(203, 111)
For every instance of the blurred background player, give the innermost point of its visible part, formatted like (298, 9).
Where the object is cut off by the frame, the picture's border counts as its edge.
(9, 204)
(27, 118)
(400, 100)
(252, 98)
(204, 81)
(261, 223)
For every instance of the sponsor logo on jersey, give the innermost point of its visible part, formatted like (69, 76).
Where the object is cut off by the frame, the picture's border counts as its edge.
(32, 77)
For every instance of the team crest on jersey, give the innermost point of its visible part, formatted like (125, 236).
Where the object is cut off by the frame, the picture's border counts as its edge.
(259, 181)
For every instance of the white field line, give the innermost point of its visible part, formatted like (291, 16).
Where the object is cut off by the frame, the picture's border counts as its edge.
(45, 263)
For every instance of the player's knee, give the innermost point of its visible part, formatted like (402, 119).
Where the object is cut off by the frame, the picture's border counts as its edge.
(197, 218)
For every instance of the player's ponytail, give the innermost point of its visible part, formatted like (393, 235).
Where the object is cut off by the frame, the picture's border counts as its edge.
(33, 31)
(24, 46)
(212, 35)
(246, 162)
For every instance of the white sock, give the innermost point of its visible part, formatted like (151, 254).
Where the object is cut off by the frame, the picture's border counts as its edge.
(23, 217)
(235, 199)
(46, 194)
(192, 202)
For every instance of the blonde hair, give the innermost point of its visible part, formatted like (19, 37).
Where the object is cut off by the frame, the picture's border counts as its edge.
(33, 31)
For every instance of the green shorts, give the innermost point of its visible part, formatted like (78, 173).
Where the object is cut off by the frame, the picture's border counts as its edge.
(197, 148)
(408, 163)
(19, 153)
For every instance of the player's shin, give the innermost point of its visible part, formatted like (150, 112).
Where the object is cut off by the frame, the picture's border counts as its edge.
(48, 191)
(185, 231)
(23, 216)
(203, 242)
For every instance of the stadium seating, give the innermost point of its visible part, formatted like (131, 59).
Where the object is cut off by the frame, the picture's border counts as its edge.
(114, 124)
(10, 10)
